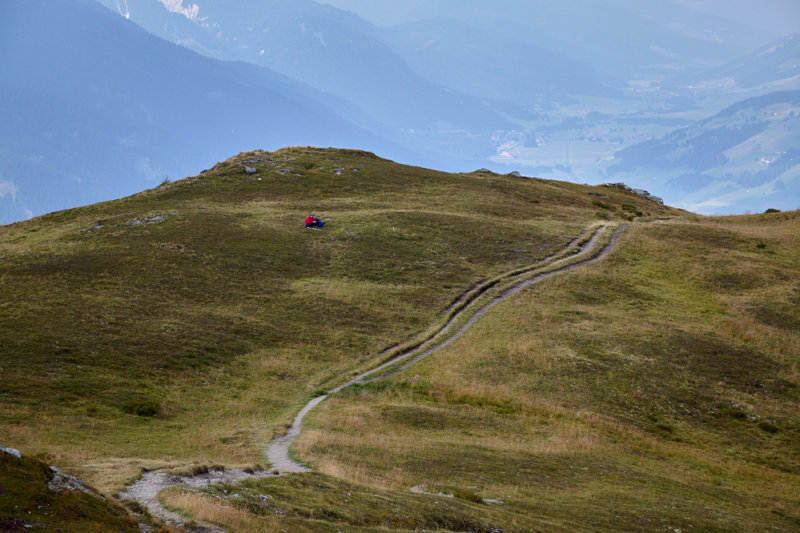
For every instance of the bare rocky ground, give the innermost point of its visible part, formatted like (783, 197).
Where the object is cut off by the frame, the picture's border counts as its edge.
(145, 491)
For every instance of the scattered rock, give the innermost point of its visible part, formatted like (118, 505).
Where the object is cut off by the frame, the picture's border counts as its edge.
(249, 169)
(13, 525)
(418, 489)
(515, 174)
(93, 228)
(639, 192)
(354, 169)
(483, 171)
(61, 481)
(148, 221)
(339, 172)
(11, 451)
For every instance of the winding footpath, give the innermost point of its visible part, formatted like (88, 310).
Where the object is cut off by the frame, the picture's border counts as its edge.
(467, 309)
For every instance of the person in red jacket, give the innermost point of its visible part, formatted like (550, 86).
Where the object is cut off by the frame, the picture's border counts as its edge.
(313, 222)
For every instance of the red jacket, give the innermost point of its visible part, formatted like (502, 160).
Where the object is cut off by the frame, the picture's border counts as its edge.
(310, 220)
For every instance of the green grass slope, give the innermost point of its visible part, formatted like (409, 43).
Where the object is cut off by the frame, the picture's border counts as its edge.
(188, 323)
(657, 390)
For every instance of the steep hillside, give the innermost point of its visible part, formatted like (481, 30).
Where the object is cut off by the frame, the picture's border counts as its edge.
(327, 48)
(494, 65)
(744, 157)
(626, 37)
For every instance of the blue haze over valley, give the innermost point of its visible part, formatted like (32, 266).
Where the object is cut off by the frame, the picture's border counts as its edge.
(697, 101)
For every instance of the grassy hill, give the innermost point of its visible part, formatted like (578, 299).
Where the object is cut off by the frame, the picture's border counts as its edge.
(186, 325)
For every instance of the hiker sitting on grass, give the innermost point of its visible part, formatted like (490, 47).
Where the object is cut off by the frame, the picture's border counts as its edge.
(313, 222)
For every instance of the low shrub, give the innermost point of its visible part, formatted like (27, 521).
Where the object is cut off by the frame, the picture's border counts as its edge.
(141, 407)
(735, 412)
(632, 209)
(768, 426)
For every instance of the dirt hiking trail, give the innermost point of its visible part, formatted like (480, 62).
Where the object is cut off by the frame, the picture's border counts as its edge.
(467, 309)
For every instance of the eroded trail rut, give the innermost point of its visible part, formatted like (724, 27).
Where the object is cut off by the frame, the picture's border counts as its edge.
(467, 309)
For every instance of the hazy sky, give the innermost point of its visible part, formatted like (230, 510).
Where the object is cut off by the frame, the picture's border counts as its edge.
(778, 17)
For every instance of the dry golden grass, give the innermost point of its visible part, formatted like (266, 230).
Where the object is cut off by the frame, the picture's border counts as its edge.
(204, 508)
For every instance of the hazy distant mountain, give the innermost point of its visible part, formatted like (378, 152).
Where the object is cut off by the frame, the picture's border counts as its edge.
(626, 37)
(94, 108)
(320, 45)
(775, 66)
(745, 157)
(493, 65)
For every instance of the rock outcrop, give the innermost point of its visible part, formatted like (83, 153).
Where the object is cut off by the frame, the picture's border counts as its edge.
(58, 481)
(11, 451)
(639, 192)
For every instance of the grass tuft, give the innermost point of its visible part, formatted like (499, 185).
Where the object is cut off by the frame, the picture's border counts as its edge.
(145, 408)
